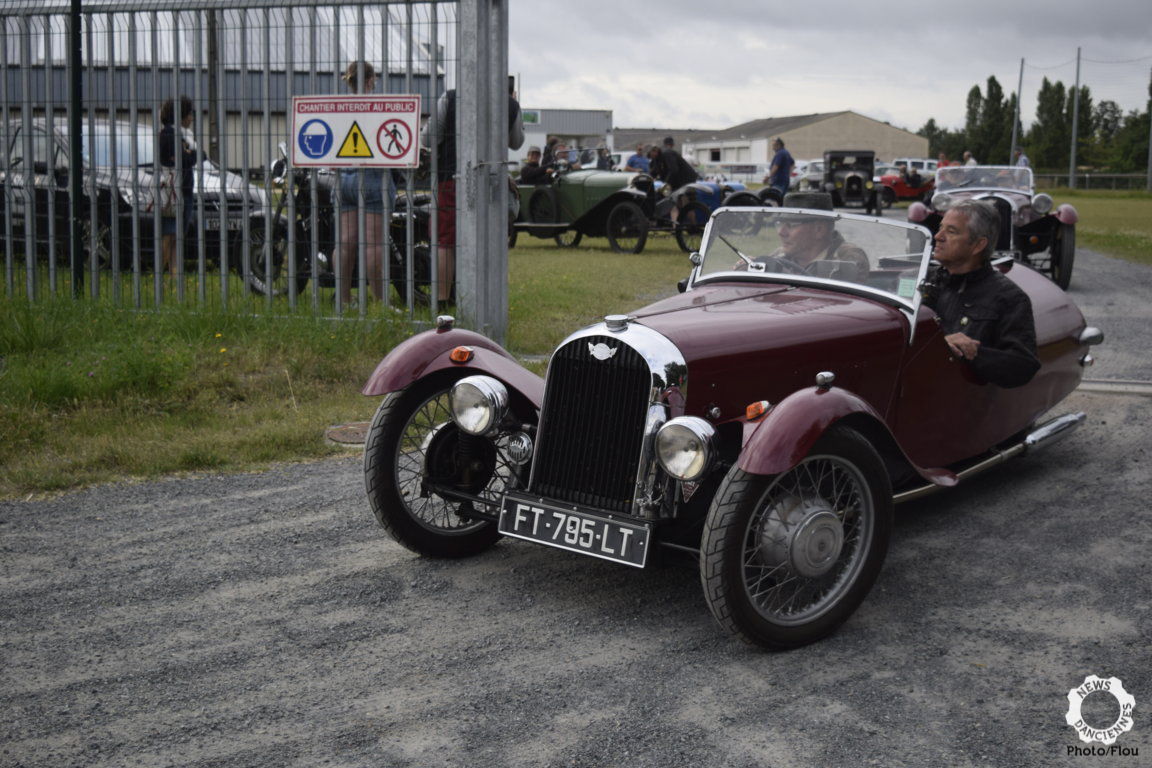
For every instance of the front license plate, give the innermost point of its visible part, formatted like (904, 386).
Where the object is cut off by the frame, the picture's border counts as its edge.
(604, 537)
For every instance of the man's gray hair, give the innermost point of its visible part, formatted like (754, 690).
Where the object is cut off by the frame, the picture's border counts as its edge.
(983, 221)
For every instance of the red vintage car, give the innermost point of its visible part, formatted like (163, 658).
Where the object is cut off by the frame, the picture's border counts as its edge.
(897, 184)
(765, 420)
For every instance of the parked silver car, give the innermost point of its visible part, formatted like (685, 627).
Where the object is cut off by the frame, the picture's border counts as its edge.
(118, 179)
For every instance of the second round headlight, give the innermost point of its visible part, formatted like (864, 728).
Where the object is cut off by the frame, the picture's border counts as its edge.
(478, 404)
(685, 447)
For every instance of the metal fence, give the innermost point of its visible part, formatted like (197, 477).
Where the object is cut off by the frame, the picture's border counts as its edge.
(1113, 181)
(82, 92)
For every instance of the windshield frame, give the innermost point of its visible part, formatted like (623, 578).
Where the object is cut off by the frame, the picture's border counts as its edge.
(907, 304)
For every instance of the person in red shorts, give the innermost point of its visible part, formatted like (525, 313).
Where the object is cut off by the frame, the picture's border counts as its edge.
(440, 136)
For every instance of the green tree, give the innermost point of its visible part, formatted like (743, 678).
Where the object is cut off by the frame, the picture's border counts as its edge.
(1050, 133)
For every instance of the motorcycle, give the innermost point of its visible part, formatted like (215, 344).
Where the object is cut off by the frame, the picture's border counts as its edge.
(308, 249)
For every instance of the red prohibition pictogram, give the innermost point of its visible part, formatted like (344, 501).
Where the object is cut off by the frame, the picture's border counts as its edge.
(394, 139)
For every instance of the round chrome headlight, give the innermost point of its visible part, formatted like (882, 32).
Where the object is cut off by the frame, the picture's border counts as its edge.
(941, 201)
(685, 447)
(478, 404)
(1042, 203)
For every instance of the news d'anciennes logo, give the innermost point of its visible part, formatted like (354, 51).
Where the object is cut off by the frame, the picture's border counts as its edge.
(1103, 732)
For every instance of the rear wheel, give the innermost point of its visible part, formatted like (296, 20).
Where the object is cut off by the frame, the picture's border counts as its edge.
(1063, 254)
(627, 228)
(690, 226)
(543, 208)
(785, 559)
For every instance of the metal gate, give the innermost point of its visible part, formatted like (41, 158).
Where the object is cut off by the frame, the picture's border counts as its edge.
(254, 234)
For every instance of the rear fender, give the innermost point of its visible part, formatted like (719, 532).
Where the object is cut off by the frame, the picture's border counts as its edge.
(787, 433)
(427, 353)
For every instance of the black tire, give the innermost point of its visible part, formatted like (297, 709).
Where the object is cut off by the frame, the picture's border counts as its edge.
(543, 208)
(627, 228)
(421, 274)
(690, 226)
(268, 263)
(887, 197)
(1063, 255)
(785, 559)
(770, 196)
(412, 444)
(569, 238)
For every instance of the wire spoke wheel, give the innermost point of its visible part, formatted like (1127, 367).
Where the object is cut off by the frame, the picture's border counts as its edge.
(787, 558)
(413, 454)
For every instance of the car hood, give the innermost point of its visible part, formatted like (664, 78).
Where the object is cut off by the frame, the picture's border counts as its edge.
(765, 341)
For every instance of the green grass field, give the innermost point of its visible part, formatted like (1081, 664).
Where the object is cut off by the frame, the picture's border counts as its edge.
(92, 392)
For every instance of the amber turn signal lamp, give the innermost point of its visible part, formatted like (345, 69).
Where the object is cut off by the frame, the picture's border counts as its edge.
(461, 354)
(757, 409)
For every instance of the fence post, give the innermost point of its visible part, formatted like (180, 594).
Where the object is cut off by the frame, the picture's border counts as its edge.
(481, 202)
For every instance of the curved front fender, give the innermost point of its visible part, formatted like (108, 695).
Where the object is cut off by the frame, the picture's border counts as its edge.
(428, 352)
(1067, 214)
(788, 432)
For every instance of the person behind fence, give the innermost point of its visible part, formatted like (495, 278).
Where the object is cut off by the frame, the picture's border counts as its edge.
(986, 318)
(169, 144)
(439, 135)
(375, 183)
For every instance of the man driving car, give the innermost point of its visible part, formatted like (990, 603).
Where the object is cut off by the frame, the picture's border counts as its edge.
(813, 244)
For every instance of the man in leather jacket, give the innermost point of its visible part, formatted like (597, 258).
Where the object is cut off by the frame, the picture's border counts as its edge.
(987, 319)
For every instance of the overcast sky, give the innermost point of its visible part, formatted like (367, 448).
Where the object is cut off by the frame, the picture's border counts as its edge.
(717, 63)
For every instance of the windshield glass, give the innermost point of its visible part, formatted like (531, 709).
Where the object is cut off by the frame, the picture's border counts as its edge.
(984, 177)
(816, 247)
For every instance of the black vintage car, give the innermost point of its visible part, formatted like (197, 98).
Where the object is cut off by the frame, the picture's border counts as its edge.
(848, 177)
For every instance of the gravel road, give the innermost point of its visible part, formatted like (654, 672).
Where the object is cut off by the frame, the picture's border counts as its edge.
(265, 620)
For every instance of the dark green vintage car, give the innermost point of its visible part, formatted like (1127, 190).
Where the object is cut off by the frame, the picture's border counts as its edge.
(593, 203)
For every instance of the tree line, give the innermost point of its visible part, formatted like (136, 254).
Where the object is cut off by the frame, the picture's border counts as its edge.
(1107, 139)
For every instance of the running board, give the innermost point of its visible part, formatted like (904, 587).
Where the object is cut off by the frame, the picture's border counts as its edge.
(1041, 437)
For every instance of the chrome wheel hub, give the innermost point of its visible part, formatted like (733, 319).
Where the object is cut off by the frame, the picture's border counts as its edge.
(803, 536)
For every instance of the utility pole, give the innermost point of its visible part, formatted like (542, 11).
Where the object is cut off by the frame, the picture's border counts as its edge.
(1016, 117)
(1075, 126)
(1150, 131)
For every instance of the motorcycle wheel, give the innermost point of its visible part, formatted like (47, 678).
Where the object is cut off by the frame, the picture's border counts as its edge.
(269, 272)
(421, 275)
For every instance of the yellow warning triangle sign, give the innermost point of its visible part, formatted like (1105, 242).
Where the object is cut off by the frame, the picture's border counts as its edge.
(355, 145)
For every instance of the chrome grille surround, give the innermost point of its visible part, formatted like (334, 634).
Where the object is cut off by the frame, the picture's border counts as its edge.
(605, 397)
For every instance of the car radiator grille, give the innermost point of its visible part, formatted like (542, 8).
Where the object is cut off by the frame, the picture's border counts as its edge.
(592, 426)
(1004, 208)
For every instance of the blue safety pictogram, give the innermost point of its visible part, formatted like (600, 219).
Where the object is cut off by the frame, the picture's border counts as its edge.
(315, 139)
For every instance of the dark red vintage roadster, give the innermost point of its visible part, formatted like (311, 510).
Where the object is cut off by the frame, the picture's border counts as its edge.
(765, 420)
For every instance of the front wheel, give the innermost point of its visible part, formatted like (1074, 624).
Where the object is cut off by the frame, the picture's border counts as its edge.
(415, 458)
(627, 228)
(887, 197)
(1063, 254)
(270, 272)
(569, 238)
(785, 559)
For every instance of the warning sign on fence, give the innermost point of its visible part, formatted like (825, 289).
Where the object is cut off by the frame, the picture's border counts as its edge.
(356, 131)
